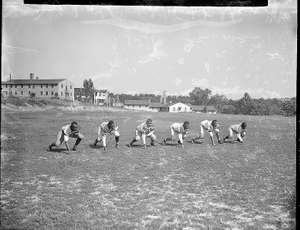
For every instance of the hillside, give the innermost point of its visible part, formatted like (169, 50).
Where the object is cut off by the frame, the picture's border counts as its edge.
(29, 104)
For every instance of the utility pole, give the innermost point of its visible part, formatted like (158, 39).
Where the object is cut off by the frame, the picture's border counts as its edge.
(9, 93)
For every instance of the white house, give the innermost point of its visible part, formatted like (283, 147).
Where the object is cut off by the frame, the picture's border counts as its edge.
(101, 97)
(41, 88)
(179, 108)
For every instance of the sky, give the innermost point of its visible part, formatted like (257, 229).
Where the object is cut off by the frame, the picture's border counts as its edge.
(133, 50)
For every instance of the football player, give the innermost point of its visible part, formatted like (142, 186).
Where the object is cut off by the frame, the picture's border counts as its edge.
(63, 135)
(181, 129)
(109, 127)
(239, 130)
(211, 127)
(144, 130)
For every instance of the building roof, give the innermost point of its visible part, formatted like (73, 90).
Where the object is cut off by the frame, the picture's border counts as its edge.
(201, 107)
(101, 90)
(156, 105)
(33, 81)
(198, 107)
(180, 103)
(136, 102)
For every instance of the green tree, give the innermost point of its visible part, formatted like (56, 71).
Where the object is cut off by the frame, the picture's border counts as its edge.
(218, 101)
(199, 96)
(247, 106)
(289, 107)
(88, 86)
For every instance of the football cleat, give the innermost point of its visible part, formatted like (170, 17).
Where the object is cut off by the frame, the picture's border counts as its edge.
(193, 141)
(164, 142)
(49, 148)
(152, 144)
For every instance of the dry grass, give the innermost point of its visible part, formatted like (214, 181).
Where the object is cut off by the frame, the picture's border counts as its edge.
(229, 186)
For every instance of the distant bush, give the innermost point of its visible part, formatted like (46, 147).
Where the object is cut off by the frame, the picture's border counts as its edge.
(16, 101)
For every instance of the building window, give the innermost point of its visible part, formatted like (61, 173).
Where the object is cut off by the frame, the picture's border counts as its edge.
(6, 92)
(41, 92)
(29, 86)
(21, 86)
(52, 93)
(33, 86)
(61, 93)
(52, 86)
(16, 86)
(10, 86)
(46, 86)
(41, 86)
(29, 92)
(62, 86)
(174, 109)
(21, 92)
(5, 86)
(46, 92)
(70, 87)
(71, 94)
(16, 93)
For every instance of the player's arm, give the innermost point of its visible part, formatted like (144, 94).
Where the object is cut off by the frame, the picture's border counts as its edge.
(239, 137)
(99, 132)
(144, 128)
(67, 145)
(76, 130)
(67, 131)
(211, 137)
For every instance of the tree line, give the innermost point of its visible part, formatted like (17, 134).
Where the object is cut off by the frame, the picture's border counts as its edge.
(246, 105)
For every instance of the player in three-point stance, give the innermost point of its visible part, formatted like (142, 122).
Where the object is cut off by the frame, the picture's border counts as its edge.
(144, 130)
(181, 129)
(63, 135)
(109, 127)
(239, 130)
(211, 127)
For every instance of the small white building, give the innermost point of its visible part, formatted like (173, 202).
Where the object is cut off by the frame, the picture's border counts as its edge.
(101, 97)
(179, 108)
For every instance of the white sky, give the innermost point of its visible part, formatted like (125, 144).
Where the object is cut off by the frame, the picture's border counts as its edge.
(230, 50)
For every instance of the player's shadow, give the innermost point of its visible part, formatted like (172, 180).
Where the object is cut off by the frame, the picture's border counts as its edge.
(59, 150)
(168, 144)
(92, 146)
(230, 142)
(196, 142)
(137, 146)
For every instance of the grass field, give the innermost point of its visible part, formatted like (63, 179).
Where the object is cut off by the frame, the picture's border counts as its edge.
(228, 186)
